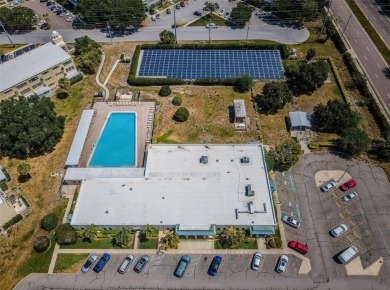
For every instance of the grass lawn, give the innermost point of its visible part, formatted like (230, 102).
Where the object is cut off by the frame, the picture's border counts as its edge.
(204, 20)
(95, 244)
(69, 263)
(248, 243)
(148, 243)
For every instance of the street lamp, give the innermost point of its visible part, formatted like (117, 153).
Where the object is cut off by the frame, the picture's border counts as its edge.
(109, 31)
(174, 20)
(247, 33)
(349, 166)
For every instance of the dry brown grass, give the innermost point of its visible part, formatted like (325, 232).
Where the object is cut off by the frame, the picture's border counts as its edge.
(42, 189)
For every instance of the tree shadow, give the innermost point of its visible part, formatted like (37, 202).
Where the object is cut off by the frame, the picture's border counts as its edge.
(231, 114)
(24, 178)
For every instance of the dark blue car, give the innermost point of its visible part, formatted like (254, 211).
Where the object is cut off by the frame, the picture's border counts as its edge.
(213, 269)
(100, 264)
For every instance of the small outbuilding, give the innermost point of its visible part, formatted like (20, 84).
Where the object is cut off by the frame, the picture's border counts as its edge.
(299, 121)
(239, 115)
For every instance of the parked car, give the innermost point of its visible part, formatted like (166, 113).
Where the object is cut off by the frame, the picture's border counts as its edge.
(182, 4)
(197, 13)
(282, 265)
(339, 230)
(141, 263)
(69, 19)
(182, 266)
(222, 12)
(350, 196)
(49, 3)
(206, 8)
(227, 14)
(348, 185)
(256, 260)
(211, 26)
(177, 6)
(43, 1)
(101, 263)
(328, 186)
(347, 254)
(303, 249)
(125, 264)
(169, 11)
(153, 18)
(88, 263)
(175, 26)
(290, 221)
(214, 266)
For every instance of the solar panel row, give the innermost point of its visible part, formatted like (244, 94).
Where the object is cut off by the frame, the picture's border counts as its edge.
(193, 64)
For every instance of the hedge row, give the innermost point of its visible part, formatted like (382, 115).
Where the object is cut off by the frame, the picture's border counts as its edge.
(365, 92)
(12, 221)
(338, 42)
(339, 82)
(25, 201)
(76, 79)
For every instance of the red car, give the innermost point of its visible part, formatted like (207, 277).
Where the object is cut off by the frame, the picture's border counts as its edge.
(298, 247)
(348, 185)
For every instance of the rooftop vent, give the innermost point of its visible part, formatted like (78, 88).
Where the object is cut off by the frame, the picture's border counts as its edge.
(249, 191)
(245, 159)
(204, 159)
(251, 207)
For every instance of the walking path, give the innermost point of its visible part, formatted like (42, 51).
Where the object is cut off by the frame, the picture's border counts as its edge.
(103, 86)
(110, 73)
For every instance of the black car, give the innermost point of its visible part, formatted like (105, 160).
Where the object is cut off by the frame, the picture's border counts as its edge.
(60, 11)
(43, 1)
(168, 11)
(49, 3)
(197, 13)
(177, 6)
(141, 263)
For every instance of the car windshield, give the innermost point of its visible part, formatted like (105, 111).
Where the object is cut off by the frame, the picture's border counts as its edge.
(88, 263)
(282, 263)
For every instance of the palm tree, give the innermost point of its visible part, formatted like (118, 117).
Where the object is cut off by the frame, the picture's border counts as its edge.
(123, 237)
(231, 237)
(90, 232)
(149, 231)
(170, 241)
(212, 6)
(24, 169)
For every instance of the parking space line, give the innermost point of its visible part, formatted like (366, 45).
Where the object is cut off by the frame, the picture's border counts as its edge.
(191, 268)
(367, 249)
(337, 204)
(341, 215)
(349, 239)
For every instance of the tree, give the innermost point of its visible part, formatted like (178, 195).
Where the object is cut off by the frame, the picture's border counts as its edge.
(181, 115)
(89, 61)
(240, 15)
(244, 83)
(118, 14)
(64, 83)
(49, 222)
(269, 161)
(274, 97)
(231, 238)
(149, 231)
(354, 141)
(90, 232)
(297, 9)
(29, 126)
(85, 44)
(287, 153)
(41, 244)
(334, 117)
(24, 168)
(123, 237)
(65, 235)
(305, 78)
(310, 53)
(176, 101)
(167, 37)
(211, 6)
(165, 91)
(170, 241)
(18, 18)
(330, 29)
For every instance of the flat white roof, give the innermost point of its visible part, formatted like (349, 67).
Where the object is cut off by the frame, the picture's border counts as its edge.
(2, 175)
(29, 64)
(178, 189)
(239, 108)
(79, 138)
(78, 174)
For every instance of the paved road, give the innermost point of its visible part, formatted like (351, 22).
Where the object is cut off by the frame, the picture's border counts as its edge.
(365, 50)
(377, 17)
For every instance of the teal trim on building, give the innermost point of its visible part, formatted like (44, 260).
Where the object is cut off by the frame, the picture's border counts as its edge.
(261, 230)
(211, 232)
(272, 185)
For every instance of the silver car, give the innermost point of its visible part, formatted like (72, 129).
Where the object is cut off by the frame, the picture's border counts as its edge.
(125, 264)
(350, 196)
(282, 265)
(290, 221)
(257, 257)
(339, 230)
(87, 265)
(328, 186)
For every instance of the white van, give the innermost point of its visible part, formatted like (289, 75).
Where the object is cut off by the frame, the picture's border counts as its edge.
(125, 264)
(347, 255)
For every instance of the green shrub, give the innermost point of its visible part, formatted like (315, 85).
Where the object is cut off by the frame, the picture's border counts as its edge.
(3, 186)
(65, 235)
(165, 91)
(338, 42)
(313, 145)
(181, 115)
(49, 222)
(244, 83)
(12, 221)
(76, 79)
(61, 94)
(25, 201)
(41, 244)
(177, 100)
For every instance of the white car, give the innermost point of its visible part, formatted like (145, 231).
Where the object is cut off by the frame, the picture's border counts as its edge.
(41, 22)
(153, 18)
(69, 19)
(339, 230)
(328, 186)
(350, 196)
(88, 263)
(256, 260)
(290, 221)
(211, 26)
(222, 12)
(282, 265)
(227, 15)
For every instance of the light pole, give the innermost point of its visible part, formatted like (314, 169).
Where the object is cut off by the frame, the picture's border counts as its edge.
(349, 166)
(342, 34)
(209, 27)
(109, 31)
(174, 20)
(247, 33)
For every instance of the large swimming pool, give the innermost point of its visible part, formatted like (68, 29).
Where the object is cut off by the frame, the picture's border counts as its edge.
(116, 146)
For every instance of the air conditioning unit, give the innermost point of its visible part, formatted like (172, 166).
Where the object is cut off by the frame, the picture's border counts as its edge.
(204, 159)
(249, 191)
(245, 159)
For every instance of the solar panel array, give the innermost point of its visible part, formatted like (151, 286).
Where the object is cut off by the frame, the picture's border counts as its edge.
(217, 64)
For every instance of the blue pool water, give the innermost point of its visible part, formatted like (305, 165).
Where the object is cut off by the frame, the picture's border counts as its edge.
(116, 144)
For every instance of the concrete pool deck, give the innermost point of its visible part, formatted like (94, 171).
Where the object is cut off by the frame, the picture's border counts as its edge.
(102, 110)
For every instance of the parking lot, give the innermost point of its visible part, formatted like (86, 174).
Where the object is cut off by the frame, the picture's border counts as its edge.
(320, 212)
